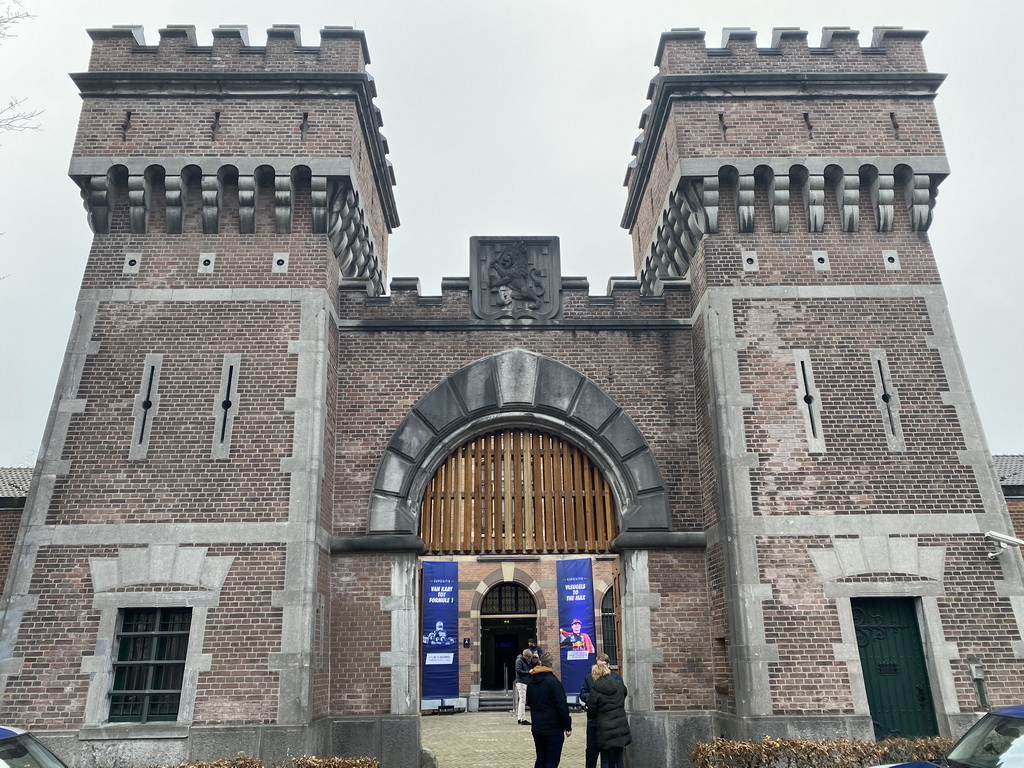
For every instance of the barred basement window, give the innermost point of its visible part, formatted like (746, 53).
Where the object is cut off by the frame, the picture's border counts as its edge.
(151, 647)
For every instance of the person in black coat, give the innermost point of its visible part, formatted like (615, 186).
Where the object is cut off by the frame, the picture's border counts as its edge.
(607, 705)
(593, 751)
(551, 723)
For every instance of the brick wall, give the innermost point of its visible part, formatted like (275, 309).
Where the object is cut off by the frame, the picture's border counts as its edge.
(10, 520)
(360, 632)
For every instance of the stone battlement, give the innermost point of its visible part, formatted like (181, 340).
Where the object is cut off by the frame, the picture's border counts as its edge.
(622, 308)
(124, 48)
(892, 49)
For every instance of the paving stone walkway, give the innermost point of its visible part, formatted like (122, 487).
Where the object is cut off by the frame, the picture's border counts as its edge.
(493, 740)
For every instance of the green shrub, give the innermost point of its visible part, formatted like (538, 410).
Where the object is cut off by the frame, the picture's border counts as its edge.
(800, 753)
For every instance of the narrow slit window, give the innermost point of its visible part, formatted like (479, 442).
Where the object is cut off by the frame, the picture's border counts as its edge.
(809, 401)
(147, 403)
(888, 401)
(226, 407)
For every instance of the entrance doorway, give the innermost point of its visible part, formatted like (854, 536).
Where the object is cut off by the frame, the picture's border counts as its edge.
(508, 618)
(501, 641)
(892, 660)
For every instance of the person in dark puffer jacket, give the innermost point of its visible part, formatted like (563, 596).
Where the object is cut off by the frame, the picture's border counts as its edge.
(549, 710)
(607, 705)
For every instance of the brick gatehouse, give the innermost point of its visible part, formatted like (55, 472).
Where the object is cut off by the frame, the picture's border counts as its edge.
(763, 439)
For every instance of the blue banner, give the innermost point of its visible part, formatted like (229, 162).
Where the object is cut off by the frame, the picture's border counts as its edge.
(440, 630)
(575, 621)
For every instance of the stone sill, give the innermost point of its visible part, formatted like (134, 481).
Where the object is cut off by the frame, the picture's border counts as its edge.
(133, 731)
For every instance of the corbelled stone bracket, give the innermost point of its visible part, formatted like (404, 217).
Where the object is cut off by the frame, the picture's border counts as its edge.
(139, 196)
(683, 224)
(98, 199)
(350, 237)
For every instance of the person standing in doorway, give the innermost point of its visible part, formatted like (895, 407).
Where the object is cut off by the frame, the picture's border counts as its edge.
(593, 752)
(536, 649)
(607, 706)
(552, 724)
(524, 663)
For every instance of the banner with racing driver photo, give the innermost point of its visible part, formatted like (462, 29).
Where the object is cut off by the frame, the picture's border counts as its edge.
(575, 621)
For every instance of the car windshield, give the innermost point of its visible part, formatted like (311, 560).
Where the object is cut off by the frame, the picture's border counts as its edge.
(996, 741)
(24, 751)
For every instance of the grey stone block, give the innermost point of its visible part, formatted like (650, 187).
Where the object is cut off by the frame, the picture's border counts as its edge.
(556, 385)
(650, 513)
(411, 436)
(100, 754)
(623, 435)
(650, 742)
(279, 744)
(209, 744)
(441, 407)
(356, 737)
(593, 407)
(645, 472)
(812, 727)
(389, 514)
(476, 385)
(400, 741)
(685, 729)
(393, 473)
(517, 376)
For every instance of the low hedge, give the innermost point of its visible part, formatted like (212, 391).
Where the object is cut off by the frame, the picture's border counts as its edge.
(800, 753)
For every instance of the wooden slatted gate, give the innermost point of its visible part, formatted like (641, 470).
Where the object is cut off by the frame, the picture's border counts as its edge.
(517, 490)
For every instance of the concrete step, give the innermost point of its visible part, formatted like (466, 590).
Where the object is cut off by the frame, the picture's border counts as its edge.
(495, 701)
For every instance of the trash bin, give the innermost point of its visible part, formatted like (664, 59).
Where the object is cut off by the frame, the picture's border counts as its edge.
(473, 705)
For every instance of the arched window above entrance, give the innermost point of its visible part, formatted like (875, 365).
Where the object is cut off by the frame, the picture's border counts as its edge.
(508, 600)
(517, 490)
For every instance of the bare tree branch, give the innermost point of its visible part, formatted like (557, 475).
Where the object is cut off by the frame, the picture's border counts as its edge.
(11, 14)
(13, 117)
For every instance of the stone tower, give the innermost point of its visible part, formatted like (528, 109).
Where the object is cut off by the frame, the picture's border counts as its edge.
(844, 465)
(188, 458)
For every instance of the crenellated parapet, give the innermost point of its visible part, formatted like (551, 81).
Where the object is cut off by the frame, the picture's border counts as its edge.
(891, 49)
(124, 48)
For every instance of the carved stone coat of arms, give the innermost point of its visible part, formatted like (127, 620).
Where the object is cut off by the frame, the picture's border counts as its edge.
(515, 278)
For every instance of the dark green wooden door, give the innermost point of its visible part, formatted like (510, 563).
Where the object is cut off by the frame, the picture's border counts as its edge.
(892, 658)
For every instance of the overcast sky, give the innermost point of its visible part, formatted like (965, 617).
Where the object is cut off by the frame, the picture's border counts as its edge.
(516, 118)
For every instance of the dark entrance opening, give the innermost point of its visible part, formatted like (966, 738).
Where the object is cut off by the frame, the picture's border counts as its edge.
(501, 640)
(508, 618)
(892, 660)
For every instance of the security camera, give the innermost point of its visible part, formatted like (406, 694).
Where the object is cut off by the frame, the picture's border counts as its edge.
(1003, 540)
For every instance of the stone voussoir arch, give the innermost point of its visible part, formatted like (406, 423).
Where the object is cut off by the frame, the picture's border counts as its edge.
(505, 575)
(517, 387)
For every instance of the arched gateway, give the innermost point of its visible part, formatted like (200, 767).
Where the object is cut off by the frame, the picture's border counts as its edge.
(506, 467)
(517, 388)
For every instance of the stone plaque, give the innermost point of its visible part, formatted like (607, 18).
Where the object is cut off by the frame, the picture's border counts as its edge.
(515, 278)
